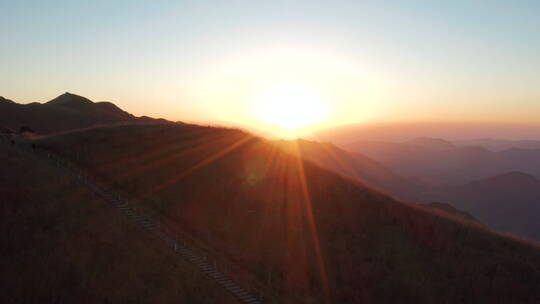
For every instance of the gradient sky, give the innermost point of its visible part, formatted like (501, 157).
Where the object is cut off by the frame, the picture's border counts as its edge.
(370, 61)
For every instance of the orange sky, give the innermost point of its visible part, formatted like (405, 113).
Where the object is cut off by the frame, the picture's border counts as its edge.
(345, 62)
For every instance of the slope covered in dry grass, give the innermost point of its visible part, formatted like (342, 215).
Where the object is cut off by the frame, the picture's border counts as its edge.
(62, 244)
(311, 235)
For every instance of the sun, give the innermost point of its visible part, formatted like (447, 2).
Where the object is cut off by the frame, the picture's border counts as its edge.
(290, 107)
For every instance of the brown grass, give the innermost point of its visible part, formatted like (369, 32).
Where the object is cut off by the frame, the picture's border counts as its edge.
(304, 231)
(62, 244)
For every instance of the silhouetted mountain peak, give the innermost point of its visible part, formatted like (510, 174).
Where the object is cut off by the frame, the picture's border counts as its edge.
(70, 100)
(65, 112)
(433, 143)
(5, 100)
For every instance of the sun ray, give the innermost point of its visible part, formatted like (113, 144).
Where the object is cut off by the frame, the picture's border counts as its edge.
(198, 145)
(340, 162)
(205, 162)
(162, 146)
(312, 226)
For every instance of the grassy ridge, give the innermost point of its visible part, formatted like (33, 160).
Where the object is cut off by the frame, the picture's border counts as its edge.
(299, 228)
(62, 244)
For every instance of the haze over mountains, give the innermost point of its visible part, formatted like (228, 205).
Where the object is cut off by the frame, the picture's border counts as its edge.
(355, 165)
(428, 170)
(452, 131)
(465, 176)
(439, 162)
(500, 188)
(497, 145)
(508, 202)
(300, 217)
(422, 169)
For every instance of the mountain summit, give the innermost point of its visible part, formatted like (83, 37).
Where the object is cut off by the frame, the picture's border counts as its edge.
(69, 99)
(5, 100)
(65, 112)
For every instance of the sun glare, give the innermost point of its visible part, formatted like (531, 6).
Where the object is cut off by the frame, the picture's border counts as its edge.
(290, 107)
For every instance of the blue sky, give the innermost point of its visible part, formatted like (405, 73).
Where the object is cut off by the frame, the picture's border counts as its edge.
(470, 60)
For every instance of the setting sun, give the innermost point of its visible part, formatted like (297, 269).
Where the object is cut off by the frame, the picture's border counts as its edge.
(270, 152)
(290, 107)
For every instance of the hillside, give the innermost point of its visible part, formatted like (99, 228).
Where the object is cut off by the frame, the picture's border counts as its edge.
(62, 244)
(308, 233)
(354, 165)
(65, 112)
(509, 202)
(374, 174)
(452, 212)
(470, 178)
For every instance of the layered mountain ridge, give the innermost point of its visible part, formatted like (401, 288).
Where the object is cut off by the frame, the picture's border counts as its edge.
(64, 113)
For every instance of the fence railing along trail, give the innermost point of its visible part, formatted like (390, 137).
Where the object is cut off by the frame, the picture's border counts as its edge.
(179, 245)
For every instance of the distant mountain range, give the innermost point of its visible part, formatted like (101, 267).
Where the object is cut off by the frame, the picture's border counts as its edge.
(273, 209)
(355, 165)
(508, 202)
(371, 173)
(419, 170)
(435, 162)
(504, 133)
(484, 189)
(500, 189)
(499, 144)
(65, 112)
